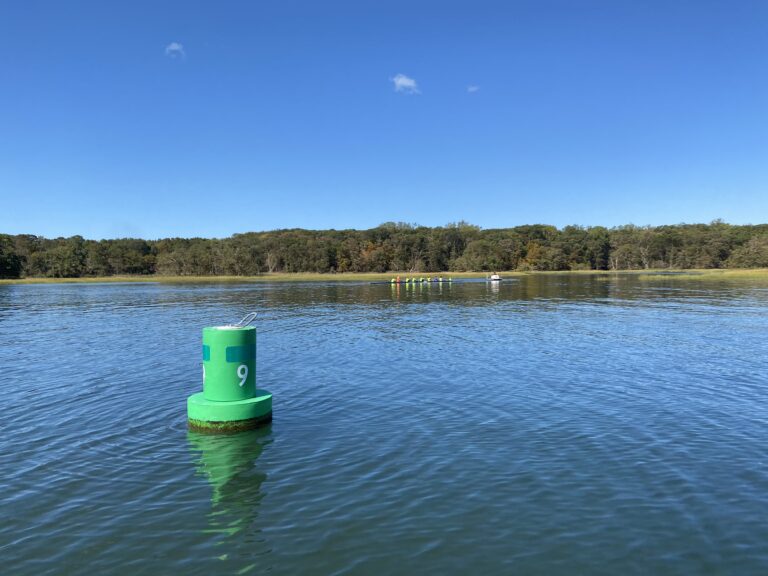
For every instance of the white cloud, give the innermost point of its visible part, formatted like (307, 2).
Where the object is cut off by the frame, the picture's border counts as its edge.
(175, 50)
(404, 84)
(472, 88)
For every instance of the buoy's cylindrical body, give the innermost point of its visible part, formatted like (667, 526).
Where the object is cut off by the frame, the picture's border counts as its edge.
(229, 363)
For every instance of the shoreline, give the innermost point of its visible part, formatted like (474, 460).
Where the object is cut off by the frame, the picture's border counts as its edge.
(716, 273)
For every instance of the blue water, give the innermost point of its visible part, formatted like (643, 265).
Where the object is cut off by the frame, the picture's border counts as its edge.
(554, 425)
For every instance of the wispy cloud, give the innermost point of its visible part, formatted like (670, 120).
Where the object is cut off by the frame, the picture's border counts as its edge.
(175, 50)
(472, 88)
(405, 85)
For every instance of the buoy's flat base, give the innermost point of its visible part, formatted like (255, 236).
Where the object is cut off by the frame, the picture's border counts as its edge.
(210, 416)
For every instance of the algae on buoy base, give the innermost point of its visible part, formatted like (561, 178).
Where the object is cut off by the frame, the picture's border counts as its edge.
(229, 400)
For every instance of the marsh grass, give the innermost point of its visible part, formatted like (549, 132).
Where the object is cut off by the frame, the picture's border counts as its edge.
(737, 274)
(755, 274)
(296, 277)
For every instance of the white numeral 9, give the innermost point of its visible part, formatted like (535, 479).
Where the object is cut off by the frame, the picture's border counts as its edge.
(242, 373)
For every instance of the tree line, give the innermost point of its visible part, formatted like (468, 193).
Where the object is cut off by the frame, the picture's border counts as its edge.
(394, 247)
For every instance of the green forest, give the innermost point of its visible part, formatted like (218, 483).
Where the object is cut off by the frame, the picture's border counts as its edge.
(394, 247)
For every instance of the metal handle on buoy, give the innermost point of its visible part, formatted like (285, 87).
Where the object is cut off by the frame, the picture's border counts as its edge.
(247, 319)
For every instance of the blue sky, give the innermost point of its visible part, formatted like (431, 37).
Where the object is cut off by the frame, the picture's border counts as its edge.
(161, 118)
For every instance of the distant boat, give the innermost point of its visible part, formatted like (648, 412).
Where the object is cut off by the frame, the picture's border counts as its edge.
(494, 278)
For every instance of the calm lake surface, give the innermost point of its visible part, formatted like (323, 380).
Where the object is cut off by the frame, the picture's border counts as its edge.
(554, 425)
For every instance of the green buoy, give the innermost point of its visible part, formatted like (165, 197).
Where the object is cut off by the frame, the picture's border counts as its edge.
(230, 400)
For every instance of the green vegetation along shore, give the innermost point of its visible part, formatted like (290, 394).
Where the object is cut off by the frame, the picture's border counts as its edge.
(760, 274)
(456, 248)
